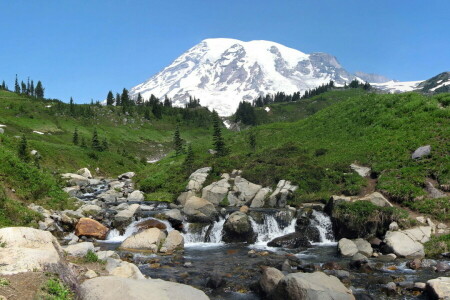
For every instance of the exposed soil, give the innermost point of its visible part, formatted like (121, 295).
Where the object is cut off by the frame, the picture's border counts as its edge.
(23, 286)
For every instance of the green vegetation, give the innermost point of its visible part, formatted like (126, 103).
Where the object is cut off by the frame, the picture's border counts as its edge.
(56, 290)
(91, 257)
(437, 245)
(438, 209)
(4, 282)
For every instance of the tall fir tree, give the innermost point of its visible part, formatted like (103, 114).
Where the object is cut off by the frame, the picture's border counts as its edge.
(118, 100)
(218, 141)
(252, 140)
(147, 113)
(23, 149)
(177, 141)
(16, 86)
(95, 141)
(32, 89)
(125, 98)
(139, 100)
(39, 90)
(75, 137)
(110, 98)
(189, 160)
(23, 87)
(71, 107)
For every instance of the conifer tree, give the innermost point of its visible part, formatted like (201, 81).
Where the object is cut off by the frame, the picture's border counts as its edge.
(16, 86)
(118, 100)
(110, 98)
(125, 98)
(23, 149)
(23, 87)
(71, 107)
(147, 113)
(32, 88)
(95, 141)
(252, 140)
(177, 141)
(75, 137)
(189, 160)
(139, 100)
(39, 90)
(218, 141)
(167, 102)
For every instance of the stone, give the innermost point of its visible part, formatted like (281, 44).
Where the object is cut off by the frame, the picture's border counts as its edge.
(116, 288)
(27, 249)
(174, 216)
(90, 274)
(149, 239)
(393, 226)
(104, 255)
(433, 192)
(80, 249)
(48, 224)
(419, 286)
(359, 257)
(151, 223)
(110, 196)
(90, 210)
(414, 264)
(260, 198)
(116, 185)
(184, 196)
(73, 191)
(421, 152)
(137, 196)
(244, 209)
(127, 175)
(439, 288)
(85, 173)
(387, 257)
(362, 171)
(197, 179)
(442, 266)
(199, 210)
(75, 179)
(408, 243)
(174, 241)
(291, 241)
(282, 193)
(91, 228)
(216, 191)
(245, 190)
(311, 286)
(269, 279)
(238, 228)
(347, 247)
(390, 288)
(125, 269)
(364, 247)
(215, 280)
(127, 214)
(376, 199)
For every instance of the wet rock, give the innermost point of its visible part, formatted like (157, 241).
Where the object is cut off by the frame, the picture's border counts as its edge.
(110, 196)
(175, 218)
(347, 247)
(85, 173)
(199, 210)
(341, 274)
(116, 288)
(149, 239)
(137, 196)
(174, 241)
(291, 241)
(216, 191)
(364, 247)
(127, 175)
(125, 217)
(304, 225)
(244, 209)
(151, 223)
(390, 289)
(375, 242)
(331, 265)
(428, 263)
(237, 228)
(215, 280)
(421, 152)
(309, 268)
(91, 228)
(359, 257)
(420, 286)
(439, 288)
(286, 266)
(269, 279)
(80, 249)
(442, 266)
(313, 286)
(414, 264)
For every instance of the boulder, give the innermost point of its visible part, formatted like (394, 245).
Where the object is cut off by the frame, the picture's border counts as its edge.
(27, 249)
(199, 210)
(311, 286)
(173, 242)
(421, 152)
(408, 243)
(439, 288)
(433, 192)
(174, 216)
(136, 196)
(73, 191)
(90, 210)
(80, 249)
(347, 247)
(90, 274)
(104, 255)
(124, 269)
(184, 196)
(238, 228)
(126, 216)
(197, 179)
(110, 196)
(282, 193)
(116, 185)
(127, 175)
(216, 191)
(244, 190)
(91, 228)
(364, 247)
(117, 288)
(269, 279)
(149, 239)
(151, 223)
(85, 173)
(291, 241)
(362, 171)
(376, 199)
(260, 198)
(75, 179)
(2, 130)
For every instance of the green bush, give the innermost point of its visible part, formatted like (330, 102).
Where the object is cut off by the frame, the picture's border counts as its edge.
(91, 257)
(56, 290)
(437, 245)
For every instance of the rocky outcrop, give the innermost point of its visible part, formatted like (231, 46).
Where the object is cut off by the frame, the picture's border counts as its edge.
(216, 191)
(364, 247)
(91, 228)
(311, 286)
(376, 199)
(75, 179)
(197, 179)
(199, 210)
(439, 288)
(27, 249)
(269, 279)
(237, 228)
(421, 152)
(282, 194)
(408, 243)
(184, 196)
(85, 173)
(243, 192)
(116, 288)
(362, 171)
(149, 239)
(260, 198)
(293, 240)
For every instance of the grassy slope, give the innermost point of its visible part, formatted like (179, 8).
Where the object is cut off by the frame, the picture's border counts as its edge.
(380, 131)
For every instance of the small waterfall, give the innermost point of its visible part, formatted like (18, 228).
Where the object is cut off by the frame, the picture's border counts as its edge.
(208, 236)
(114, 235)
(270, 229)
(322, 222)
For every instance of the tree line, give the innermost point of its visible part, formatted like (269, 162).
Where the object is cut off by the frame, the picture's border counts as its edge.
(27, 88)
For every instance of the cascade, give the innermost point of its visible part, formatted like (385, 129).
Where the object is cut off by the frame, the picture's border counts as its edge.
(270, 229)
(114, 235)
(323, 223)
(201, 237)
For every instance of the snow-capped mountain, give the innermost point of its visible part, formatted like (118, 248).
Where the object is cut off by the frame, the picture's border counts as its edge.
(223, 72)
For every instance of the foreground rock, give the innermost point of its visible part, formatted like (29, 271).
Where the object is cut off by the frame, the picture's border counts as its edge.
(149, 239)
(237, 228)
(124, 269)
(311, 286)
(199, 210)
(282, 193)
(408, 243)
(421, 152)
(116, 288)
(269, 279)
(197, 179)
(216, 191)
(91, 228)
(80, 249)
(291, 241)
(439, 288)
(347, 247)
(173, 242)
(26, 249)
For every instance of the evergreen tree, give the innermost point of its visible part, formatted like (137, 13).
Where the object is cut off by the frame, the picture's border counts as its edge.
(218, 141)
(118, 100)
(139, 100)
(252, 140)
(189, 160)
(245, 113)
(23, 149)
(157, 110)
(75, 137)
(16, 86)
(39, 90)
(110, 98)
(23, 87)
(105, 145)
(125, 98)
(354, 84)
(32, 88)
(3, 86)
(177, 141)
(28, 86)
(95, 141)
(147, 113)
(167, 102)
(71, 107)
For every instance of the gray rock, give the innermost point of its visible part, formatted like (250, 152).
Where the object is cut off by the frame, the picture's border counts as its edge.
(282, 193)
(376, 199)
(85, 173)
(362, 171)
(197, 179)
(75, 179)
(347, 247)
(421, 152)
(364, 247)
(311, 286)
(116, 288)
(184, 196)
(136, 196)
(174, 241)
(110, 196)
(393, 226)
(260, 198)
(73, 191)
(199, 210)
(149, 239)
(237, 228)
(269, 279)
(216, 191)
(408, 243)
(127, 175)
(439, 288)
(245, 190)
(80, 249)
(433, 192)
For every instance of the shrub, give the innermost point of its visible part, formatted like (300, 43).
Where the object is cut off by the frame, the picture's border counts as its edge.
(437, 245)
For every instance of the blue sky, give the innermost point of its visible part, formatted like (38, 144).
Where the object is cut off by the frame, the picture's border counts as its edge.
(85, 48)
